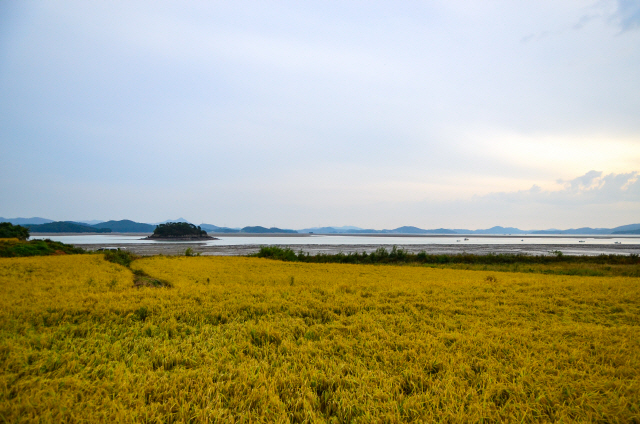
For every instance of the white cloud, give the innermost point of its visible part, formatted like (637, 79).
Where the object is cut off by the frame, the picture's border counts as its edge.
(588, 189)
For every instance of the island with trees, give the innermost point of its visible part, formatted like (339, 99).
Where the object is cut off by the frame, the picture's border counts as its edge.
(179, 231)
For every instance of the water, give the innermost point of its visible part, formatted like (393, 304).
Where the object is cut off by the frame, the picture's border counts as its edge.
(354, 240)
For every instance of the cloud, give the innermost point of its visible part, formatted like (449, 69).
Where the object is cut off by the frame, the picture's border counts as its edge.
(590, 188)
(622, 13)
(594, 199)
(584, 181)
(627, 14)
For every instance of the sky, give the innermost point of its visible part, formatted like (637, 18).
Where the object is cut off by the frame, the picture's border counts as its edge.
(436, 114)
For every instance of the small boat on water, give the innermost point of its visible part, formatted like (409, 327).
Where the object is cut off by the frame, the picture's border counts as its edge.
(580, 241)
(466, 239)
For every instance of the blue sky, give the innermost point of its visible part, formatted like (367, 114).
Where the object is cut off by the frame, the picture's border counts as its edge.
(297, 114)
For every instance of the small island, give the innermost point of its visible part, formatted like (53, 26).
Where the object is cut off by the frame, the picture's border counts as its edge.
(179, 231)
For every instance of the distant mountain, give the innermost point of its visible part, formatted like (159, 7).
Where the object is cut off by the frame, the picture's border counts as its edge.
(631, 227)
(627, 232)
(23, 221)
(90, 222)
(583, 230)
(215, 229)
(553, 231)
(627, 229)
(494, 230)
(357, 230)
(262, 230)
(126, 226)
(416, 230)
(65, 227)
(623, 229)
(325, 230)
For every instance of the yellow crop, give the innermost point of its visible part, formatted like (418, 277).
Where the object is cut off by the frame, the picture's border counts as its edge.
(254, 340)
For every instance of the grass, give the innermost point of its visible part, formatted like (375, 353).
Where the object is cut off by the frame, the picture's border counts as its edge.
(255, 340)
(556, 264)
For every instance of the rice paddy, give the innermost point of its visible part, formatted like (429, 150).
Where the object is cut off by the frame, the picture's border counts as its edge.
(255, 340)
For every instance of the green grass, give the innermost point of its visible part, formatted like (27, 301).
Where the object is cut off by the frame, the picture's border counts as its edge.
(557, 264)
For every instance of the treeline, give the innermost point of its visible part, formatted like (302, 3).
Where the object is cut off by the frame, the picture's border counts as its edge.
(401, 256)
(8, 230)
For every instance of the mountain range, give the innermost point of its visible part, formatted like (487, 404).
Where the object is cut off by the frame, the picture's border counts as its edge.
(37, 224)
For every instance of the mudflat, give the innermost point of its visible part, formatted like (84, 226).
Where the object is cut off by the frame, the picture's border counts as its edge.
(176, 248)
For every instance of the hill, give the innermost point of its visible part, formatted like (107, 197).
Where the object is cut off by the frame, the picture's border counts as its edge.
(65, 227)
(627, 232)
(263, 230)
(493, 230)
(575, 231)
(216, 229)
(416, 230)
(356, 230)
(126, 226)
(330, 230)
(627, 229)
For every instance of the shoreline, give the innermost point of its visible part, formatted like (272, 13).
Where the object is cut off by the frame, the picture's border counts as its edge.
(172, 249)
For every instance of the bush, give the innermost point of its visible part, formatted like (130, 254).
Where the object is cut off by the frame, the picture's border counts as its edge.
(121, 257)
(8, 230)
(275, 252)
(191, 252)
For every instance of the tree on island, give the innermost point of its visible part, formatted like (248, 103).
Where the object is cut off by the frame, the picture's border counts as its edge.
(178, 229)
(8, 230)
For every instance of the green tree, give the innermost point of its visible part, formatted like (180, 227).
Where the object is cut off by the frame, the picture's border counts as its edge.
(8, 230)
(178, 229)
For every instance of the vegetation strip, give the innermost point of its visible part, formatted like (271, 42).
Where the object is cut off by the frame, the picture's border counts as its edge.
(10, 248)
(601, 265)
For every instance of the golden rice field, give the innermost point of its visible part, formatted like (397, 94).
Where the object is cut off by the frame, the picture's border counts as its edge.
(253, 340)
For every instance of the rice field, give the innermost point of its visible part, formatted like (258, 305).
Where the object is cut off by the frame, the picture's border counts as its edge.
(255, 340)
